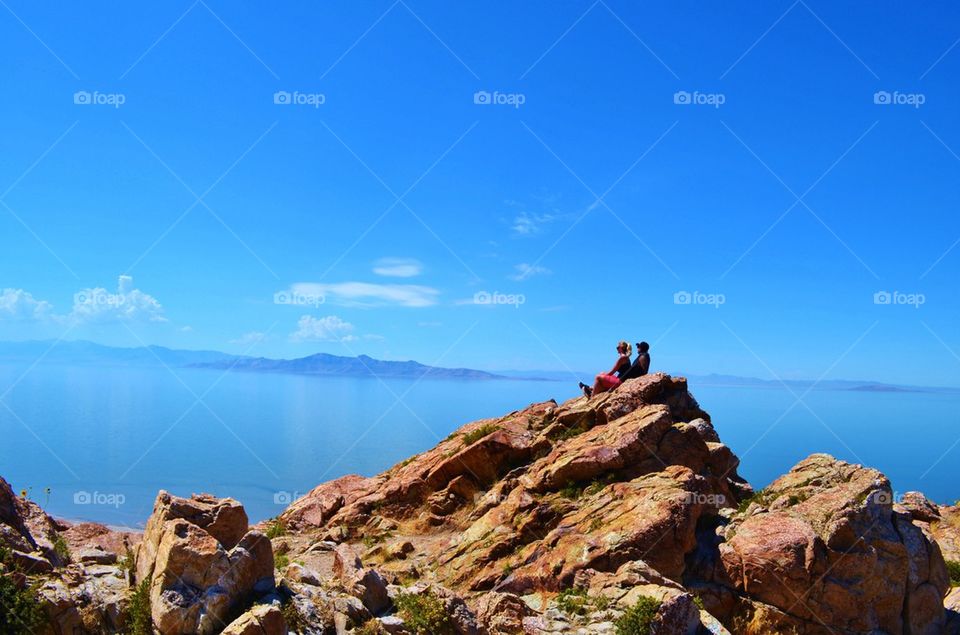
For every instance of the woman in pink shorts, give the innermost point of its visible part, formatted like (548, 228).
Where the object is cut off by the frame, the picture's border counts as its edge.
(609, 381)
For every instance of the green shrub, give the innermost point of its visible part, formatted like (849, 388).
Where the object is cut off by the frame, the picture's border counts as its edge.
(280, 561)
(760, 497)
(371, 627)
(60, 547)
(638, 619)
(569, 433)
(578, 602)
(478, 433)
(138, 618)
(953, 568)
(423, 614)
(276, 528)
(573, 601)
(571, 491)
(295, 621)
(20, 609)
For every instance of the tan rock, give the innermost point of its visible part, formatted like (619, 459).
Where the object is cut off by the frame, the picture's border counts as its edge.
(833, 551)
(263, 619)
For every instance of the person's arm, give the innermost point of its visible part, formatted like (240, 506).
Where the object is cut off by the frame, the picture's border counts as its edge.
(619, 363)
(645, 364)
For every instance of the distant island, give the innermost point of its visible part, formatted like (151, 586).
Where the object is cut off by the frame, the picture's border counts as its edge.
(335, 365)
(86, 353)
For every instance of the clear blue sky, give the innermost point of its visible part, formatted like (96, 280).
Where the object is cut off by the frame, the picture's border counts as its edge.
(794, 201)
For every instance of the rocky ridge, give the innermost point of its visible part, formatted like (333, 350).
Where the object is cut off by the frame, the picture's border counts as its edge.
(622, 513)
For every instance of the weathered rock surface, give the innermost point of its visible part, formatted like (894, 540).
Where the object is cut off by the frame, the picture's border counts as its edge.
(825, 549)
(203, 565)
(558, 518)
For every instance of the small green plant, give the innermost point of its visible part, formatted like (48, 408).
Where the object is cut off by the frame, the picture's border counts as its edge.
(371, 627)
(760, 497)
(569, 433)
(372, 539)
(638, 619)
(571, 491)
(20, 608)
(423, 614)
(573, 601)
(60, 547)
(596, 524)
(138, 617)
(294, 619)
(280, 561)
(578, 602)
(276, 528)
(953, 568)
(128, 563)
(698, 601)
(476, 434)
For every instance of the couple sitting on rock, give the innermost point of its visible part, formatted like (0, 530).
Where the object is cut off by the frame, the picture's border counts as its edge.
(622, 370)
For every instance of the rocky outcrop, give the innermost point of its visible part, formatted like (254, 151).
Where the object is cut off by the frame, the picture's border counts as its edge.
(824, 548)
(558, 518)
(203, 565)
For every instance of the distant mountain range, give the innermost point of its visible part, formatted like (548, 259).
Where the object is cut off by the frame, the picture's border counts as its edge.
(79, 352)
(90, 354)
(360, 366)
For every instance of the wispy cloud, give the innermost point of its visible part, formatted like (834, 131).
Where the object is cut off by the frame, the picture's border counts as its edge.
(326, 329)
(366, 294)
(530, 224)
(398, 267)
(525, 270)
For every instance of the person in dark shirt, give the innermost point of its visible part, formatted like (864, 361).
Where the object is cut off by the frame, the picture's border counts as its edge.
(608, 381)
(641, 365)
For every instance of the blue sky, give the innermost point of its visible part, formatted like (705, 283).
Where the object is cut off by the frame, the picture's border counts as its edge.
(620, 155)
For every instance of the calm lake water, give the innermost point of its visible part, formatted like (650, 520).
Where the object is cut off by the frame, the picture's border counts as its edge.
(104, 440)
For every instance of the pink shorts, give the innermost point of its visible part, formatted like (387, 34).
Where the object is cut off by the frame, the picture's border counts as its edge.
(608, 382)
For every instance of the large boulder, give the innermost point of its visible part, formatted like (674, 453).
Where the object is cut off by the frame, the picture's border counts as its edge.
(203, 564)
(824, 548)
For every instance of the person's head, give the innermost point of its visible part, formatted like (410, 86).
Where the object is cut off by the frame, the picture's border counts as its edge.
(624, 348)
(643, 347)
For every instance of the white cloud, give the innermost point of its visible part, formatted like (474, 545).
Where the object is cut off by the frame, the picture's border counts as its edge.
(367, 294)
(19, 305)
(97, 305)
(398, 267)
(93, 305)
(525, 270)
(528, 224)
(249, 339)
(325, 329)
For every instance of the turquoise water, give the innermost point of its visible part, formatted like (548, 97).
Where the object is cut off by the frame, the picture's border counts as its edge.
(104, 440)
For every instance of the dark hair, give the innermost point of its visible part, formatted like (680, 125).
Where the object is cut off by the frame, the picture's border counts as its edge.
(643, 347)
